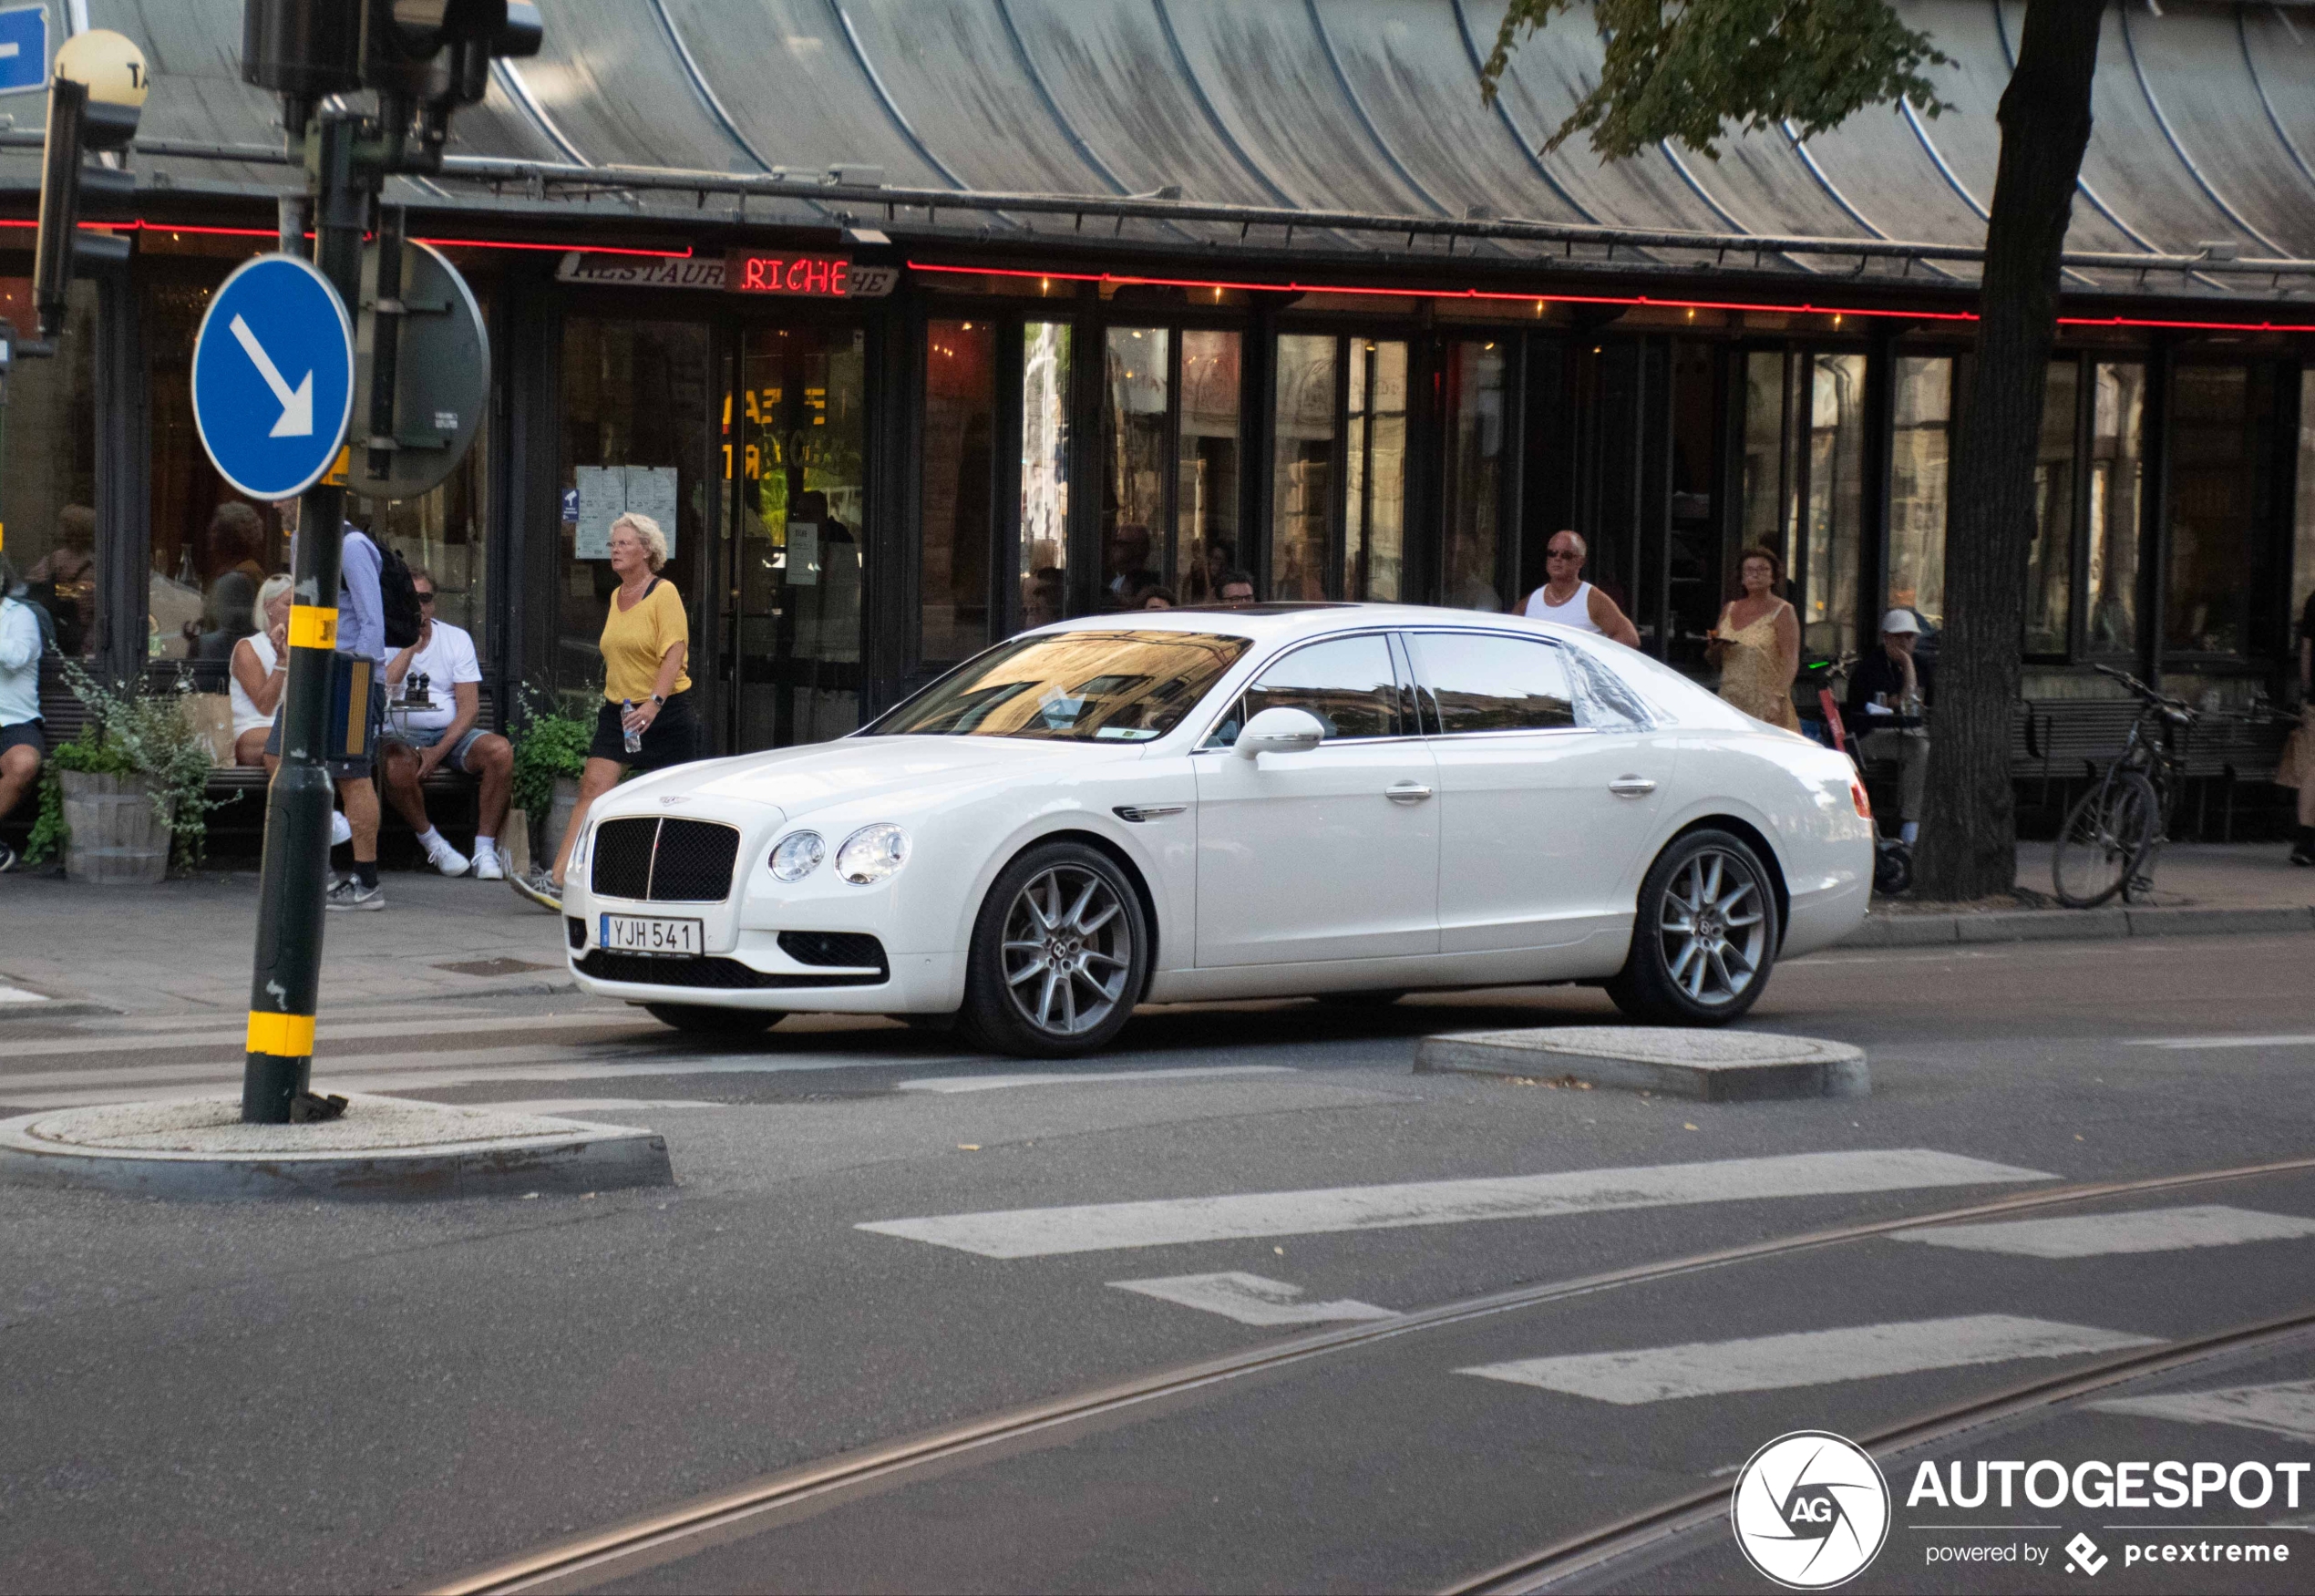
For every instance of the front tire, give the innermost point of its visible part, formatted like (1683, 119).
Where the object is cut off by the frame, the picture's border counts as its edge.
(699, 1020)
(1704, 936)
(1060, 954)
(2109, 829)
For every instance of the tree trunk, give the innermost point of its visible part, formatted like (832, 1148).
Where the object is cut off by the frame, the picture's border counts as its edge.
(1970, 841)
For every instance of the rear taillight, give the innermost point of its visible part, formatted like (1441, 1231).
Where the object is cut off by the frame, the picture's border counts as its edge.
(1857, 796)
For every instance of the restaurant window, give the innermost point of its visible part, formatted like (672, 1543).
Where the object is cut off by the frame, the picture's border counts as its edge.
(49, 503)
(2117, 469)
(1043, 554)
(958, 442)
(1474, 484)
(1206, 498)
(1374, 477)
(2303, 561)
(2219, 543)
(2049, 562)
(1768, 475)
(1302, 467)
(1828, 564)
(1135, 530)
(634, 439)
(1920, 458)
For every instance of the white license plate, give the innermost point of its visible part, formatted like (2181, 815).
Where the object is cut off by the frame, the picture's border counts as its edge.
(650, 933)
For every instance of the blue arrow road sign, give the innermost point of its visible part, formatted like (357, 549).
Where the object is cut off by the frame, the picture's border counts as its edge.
(24, 48)
(274, 378)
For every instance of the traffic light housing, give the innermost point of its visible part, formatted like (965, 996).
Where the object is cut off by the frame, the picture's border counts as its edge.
(79, 125)
(434, 52)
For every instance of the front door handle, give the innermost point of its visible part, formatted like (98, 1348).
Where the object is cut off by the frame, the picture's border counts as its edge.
(1408, 792)
(1631, 786)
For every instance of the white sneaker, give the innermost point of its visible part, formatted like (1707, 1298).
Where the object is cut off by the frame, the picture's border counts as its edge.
(487, 865)
(448, 860)
(340, 830)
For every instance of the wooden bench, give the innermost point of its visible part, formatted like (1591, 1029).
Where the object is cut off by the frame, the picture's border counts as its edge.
(451, 795)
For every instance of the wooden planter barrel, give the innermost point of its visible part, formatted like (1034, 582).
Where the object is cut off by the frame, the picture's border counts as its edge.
(118, 836)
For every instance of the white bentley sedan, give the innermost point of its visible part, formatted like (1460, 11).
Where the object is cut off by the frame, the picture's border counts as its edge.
(1340, 801)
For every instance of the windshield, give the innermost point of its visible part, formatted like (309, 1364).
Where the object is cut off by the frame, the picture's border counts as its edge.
(1070, 687)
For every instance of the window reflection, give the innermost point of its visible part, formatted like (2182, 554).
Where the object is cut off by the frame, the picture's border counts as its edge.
(1135, 530)
(1045, 471)
(2049, 570)
(1374, 487)
(2116, 468)
(1494, 684)
(958, 444)
(1301, 468)
(1921, 457)
(2218, 550)
(1474, 485)
(1762, 494)
(1206, 494)
(1071, 686)
(1835, 498)
(1348, 684)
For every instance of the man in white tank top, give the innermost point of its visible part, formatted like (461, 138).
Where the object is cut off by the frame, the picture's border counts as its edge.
(1567, 597)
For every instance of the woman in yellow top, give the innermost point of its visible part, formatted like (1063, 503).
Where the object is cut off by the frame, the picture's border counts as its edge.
(1757, 644)
(647, 721)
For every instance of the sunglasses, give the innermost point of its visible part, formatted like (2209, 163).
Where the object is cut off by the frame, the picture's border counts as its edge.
(425, 597)
(1562, 555)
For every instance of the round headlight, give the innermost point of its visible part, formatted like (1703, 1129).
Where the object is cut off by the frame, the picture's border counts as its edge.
(799, 855)
(872, 853)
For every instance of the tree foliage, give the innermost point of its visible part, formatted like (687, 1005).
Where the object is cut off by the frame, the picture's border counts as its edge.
(1686, 70)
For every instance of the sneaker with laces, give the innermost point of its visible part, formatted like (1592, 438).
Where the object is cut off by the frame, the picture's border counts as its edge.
(487, 867)
(448, 860)
(351, 895)
(540, 888)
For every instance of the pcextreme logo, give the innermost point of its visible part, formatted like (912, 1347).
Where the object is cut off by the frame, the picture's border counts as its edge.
(1810, 1510)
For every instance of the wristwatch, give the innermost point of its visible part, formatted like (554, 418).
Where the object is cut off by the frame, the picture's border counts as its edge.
(659, 699)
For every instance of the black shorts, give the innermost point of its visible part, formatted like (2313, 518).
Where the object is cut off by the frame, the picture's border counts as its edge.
(24, 734)
(673, 738)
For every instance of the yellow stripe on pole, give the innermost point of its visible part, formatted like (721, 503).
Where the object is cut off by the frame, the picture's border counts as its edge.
(341, 471)
(283, 1035)
(313, 626)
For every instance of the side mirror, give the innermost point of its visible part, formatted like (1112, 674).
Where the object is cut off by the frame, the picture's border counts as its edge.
(1279, 731)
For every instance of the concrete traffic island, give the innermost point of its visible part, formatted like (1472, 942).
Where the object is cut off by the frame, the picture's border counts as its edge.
(379, 1150)
(1716, 1066)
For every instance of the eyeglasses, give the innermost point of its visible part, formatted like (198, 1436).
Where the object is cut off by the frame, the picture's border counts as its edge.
(425, 597)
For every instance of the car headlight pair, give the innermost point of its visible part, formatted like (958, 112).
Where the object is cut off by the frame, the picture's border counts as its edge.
(870, 855)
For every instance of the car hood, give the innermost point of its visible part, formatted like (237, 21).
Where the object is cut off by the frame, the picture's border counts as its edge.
(798, 780)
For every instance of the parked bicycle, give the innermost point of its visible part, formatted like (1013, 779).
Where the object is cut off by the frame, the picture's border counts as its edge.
(2111, 836)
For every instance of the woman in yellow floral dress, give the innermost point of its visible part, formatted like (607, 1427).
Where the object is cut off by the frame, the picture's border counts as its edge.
(1757, 644)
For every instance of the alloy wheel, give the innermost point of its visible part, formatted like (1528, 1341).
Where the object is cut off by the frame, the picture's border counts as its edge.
(1068, 950)
(1714, 921)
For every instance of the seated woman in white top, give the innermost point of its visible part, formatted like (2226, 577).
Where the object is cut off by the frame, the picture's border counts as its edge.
(260, 671)
(1564, 597)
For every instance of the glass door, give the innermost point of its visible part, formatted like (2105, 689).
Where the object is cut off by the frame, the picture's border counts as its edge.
(794, 436)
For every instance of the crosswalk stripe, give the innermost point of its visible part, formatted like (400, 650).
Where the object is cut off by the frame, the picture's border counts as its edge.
(2197, 1044)
(2160, 1230)
(1813, 1358)
(1249, 1298)
(1040, 1233)
(993, 1082)
(2288, 1409)
(18, 994)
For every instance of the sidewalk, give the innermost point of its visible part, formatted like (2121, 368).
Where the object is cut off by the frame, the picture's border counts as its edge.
(185, 946)
(2201, 889)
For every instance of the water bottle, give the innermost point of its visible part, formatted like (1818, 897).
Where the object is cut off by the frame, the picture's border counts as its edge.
(634, 738)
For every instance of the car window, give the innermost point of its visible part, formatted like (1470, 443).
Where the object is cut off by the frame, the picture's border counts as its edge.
(1477, 683)
(1094, 685)
(1348, 683)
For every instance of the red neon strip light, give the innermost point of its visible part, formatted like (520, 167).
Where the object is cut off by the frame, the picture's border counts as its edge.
(143, 225)
(1637, 299)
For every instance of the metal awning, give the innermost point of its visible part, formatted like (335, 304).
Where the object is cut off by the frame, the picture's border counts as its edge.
(1352, 127)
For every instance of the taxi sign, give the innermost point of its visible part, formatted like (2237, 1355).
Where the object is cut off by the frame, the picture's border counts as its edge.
(274, 378)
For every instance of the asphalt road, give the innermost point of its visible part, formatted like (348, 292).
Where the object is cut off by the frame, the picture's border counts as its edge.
(320, 1397)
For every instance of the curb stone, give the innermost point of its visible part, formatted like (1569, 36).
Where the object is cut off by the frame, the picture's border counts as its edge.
(2023, 925)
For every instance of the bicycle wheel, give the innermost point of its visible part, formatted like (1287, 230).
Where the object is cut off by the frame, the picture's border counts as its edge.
(2103, 839)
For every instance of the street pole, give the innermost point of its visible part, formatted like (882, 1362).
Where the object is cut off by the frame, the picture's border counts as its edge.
(284, 991)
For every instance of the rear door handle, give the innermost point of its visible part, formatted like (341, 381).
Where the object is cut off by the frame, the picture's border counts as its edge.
(1408, 792)
(1631, 786)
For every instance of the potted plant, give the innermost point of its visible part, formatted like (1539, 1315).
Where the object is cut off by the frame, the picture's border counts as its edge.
(551, 735)
(128, 797)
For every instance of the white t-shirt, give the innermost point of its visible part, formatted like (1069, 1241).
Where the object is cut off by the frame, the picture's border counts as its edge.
(447, 660)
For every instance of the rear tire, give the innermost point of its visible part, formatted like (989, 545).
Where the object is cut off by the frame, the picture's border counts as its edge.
(698, 1020)
(1060, 955)
(1704, 937)
(2109, 829)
